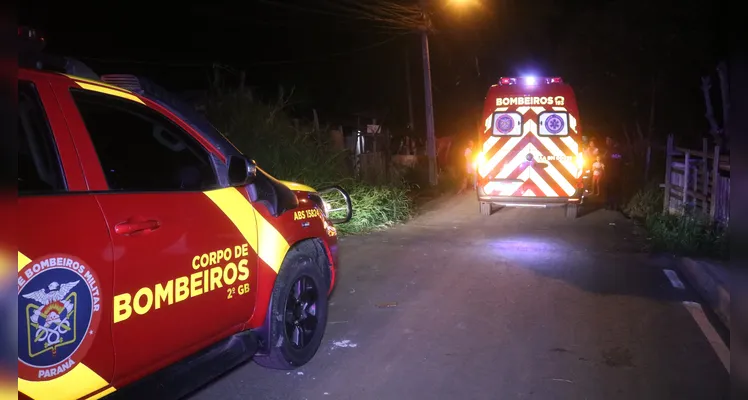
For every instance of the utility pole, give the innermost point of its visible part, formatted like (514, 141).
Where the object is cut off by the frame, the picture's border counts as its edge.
(410, 90)
(430, 136)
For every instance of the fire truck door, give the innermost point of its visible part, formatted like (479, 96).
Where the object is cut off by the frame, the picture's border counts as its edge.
(184, 272)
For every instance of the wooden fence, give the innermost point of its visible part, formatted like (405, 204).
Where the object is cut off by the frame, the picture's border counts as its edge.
(697, 180)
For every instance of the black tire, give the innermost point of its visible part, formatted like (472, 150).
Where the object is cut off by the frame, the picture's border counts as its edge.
(572, 211)
(288, 349)
(485, 208)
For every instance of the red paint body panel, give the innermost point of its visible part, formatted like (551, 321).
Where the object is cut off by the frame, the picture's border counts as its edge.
(190, 225)
(57, 122)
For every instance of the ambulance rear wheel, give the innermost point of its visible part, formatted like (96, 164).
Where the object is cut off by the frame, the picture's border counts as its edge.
(485, 208)
(298, 311)
(572, 211)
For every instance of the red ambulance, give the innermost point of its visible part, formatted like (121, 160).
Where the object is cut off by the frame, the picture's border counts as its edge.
(530, 146)
(152, 254)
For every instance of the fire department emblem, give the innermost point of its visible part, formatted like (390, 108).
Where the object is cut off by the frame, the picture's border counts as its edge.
(505, 124)
(554, 124)
(58, 315)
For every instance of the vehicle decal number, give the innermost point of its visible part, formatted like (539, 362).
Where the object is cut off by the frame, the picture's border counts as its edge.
(306, 214)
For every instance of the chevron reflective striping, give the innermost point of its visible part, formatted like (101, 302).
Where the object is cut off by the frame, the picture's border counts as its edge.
(512, 165)
(542, 184)
(571, 144)
(554, 150)
(522, 110)
(537, 110)
(487, 167)
(529, 127)
(489, 143)
(549, 175)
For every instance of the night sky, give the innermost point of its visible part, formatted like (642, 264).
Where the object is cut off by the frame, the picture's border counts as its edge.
(341, 62)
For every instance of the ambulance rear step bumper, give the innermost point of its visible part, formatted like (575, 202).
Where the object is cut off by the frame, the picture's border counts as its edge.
(187, 375)
(539, 202)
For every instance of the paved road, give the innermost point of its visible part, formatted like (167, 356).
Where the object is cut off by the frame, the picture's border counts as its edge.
(524, 304)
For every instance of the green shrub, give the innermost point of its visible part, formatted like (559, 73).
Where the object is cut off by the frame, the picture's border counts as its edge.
(644, 203)
(375, 207)
(688, 234)
(293, 150)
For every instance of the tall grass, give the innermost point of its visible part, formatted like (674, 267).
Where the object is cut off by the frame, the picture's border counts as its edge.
(376, 207)
(293, 150)
(687, 233)
(287, 148)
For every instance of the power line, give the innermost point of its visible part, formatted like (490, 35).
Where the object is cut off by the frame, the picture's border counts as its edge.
(330, 55)
(252, 64)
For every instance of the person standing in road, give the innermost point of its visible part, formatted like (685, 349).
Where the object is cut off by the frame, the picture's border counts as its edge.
(597, 173)
(612, 179)
(469, 177)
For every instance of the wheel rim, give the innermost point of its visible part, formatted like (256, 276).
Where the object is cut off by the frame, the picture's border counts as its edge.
(301, 312)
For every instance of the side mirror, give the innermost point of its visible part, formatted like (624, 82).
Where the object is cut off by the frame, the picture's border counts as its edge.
(242, 171)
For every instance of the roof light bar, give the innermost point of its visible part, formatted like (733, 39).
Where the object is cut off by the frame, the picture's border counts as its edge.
(529, 80)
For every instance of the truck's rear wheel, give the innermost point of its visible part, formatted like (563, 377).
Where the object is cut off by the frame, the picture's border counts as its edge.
(485, 208)
(572, 211)
(298, 311)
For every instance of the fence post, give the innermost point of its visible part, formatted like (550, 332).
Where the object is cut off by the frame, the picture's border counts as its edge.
(715, 180)
(686, 173)
(668, 169)
(705, 176)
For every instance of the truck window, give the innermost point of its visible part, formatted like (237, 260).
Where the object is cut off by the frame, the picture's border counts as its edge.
(39, 168)
(553, 123)
(141, 149)
(507, 124)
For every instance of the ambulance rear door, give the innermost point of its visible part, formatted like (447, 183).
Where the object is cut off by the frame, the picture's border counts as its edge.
(555, 173)
(503, 170)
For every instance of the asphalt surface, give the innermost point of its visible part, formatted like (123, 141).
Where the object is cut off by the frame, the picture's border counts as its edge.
(524, 304)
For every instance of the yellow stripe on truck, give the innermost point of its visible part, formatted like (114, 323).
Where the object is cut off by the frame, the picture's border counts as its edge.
(102, 394)
(106, 90)
(22, 261)
(78, 382)
(299, 187)
(272, 248)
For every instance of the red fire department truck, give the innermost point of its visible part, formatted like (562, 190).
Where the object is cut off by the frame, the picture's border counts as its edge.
(530, 147)
(152, 254)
